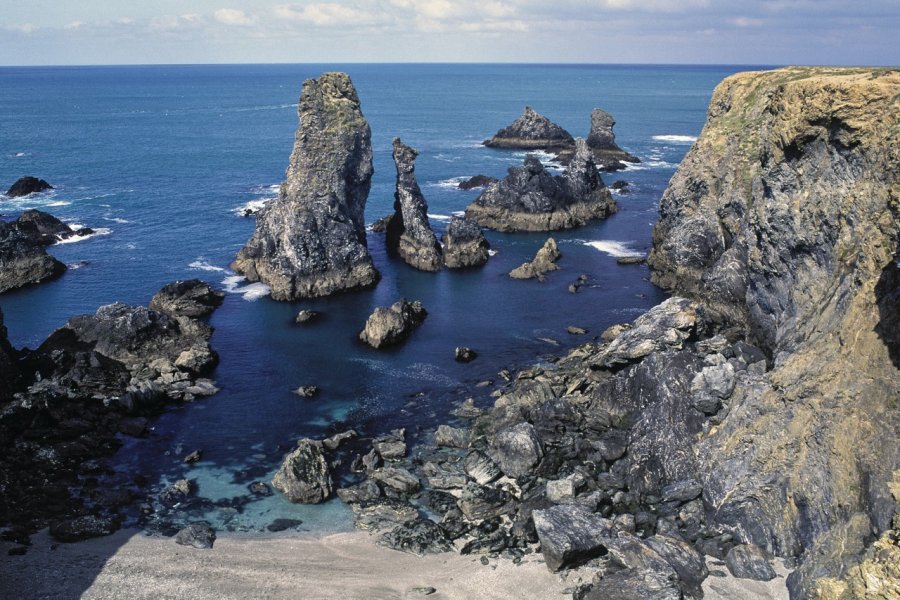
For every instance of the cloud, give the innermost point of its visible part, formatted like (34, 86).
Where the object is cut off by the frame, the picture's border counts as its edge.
(746, 22)
(174, 23)
(232, 16)
(328, 14)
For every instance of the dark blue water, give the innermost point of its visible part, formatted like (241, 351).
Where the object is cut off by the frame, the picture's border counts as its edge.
(159, 160)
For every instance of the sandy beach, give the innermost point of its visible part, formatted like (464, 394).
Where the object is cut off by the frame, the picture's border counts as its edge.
(130, 565)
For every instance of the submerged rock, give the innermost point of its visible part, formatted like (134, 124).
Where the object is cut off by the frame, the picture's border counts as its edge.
(544, 262)
(304, 476)
(531, 199)
(409, 233)
(191, 298)
(392, 325)
(27, 185)
(311, 241)
(531, 131)
(464, 244)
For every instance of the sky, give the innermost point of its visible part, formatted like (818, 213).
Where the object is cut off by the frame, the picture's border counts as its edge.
(757, 32)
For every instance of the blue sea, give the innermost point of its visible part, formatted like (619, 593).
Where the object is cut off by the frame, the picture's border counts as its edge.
(161, 161)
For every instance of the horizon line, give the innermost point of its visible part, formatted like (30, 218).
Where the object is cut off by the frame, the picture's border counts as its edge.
(422, 63)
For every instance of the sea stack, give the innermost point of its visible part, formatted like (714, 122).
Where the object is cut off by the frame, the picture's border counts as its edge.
(531, 199)
(602, 141)
(408, 232)
(532, 131)
(311, 241)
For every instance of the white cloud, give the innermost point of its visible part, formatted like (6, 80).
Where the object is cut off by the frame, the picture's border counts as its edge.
(175, 23)
(327, 14)
(746, 22)
(232, 16)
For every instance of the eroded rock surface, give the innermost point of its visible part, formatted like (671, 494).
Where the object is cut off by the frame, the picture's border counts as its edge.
(464, 244)
(544, 262)
(304, 475)
(311, 241)
(392, 325)
(532, 199)
(408, 232)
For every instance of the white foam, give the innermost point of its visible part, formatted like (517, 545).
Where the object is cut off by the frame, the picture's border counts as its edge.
(452, 183)
(205, 266)
(81, 238)
(20, 154)
(117, 220)
(458, 213)
(251, 292)
(439, 217)
(613, 248)
(492, 253)
(251, 208)
(678, 139)
(59, 203)
(547, 159)
(649, 164)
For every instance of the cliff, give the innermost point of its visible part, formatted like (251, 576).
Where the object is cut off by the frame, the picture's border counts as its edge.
(783, 222)
(311, 241)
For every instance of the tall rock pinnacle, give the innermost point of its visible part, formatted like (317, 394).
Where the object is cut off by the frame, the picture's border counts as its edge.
(409, 233)
(311, 241)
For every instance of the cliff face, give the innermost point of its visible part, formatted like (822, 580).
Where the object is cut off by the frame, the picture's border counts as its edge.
(783, 222)
(312, 241)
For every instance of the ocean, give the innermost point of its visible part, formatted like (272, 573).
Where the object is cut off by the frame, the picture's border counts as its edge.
(161, 161)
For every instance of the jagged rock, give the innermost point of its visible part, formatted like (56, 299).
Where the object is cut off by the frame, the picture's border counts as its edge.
(452, 437)
(177, 493)
(531, 131)
(531, 199)
(666, 325)
(27, 185)
(311, 241)
(517, 450)
(193, 457)
(561, 490)
(260, 489)
(476, 182)
(602, 141)
(383, 514)
(711, 386)
(409, 233)
(197, 535)
(748, 561)
(381, 225)
(44, 227)
(544, 262)
(479, 502)
(682, 491)
(464, 354)
(464, 244)
(574, 330)
(631, 260)
(304, 475)
(419, 537)
(392, 445)
(571, 535)
(24, 259)
(388, 326)
(83, 528)
(397, 478)
(365, 491)
(481, 468)
(307, 316)
(333, 442)
(192, 298)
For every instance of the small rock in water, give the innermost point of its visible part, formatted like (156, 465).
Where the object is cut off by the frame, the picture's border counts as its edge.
(27, 185)
(334, 441)
(197, 535)
(572, 329)
(476, 182)
(631, 260)
(464, 354)
(193, 457)
(392, 445)
(307, 316)
(306, 391)
(258, 488)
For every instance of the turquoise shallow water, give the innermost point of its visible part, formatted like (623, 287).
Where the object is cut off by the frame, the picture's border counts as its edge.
(161, 159)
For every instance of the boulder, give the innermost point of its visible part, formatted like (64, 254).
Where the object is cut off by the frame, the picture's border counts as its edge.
(481, 468)
(392, 325)
(304, 476)
(197, 535)
(391, 445)
(397, 478)
(307, 316)
(383, 514)
(192, 298)
(27, 185)
(476, 182)
(420, 537)
(311, 241)
(452, 437)
(666, 325)
(517, 450)
(544, 262)
(531, 199)
(463, 354)
(409, 233)
(571, 535)
(464, 244)
(478, 502)
(748, 561)
(531, 131)
(84, 527)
